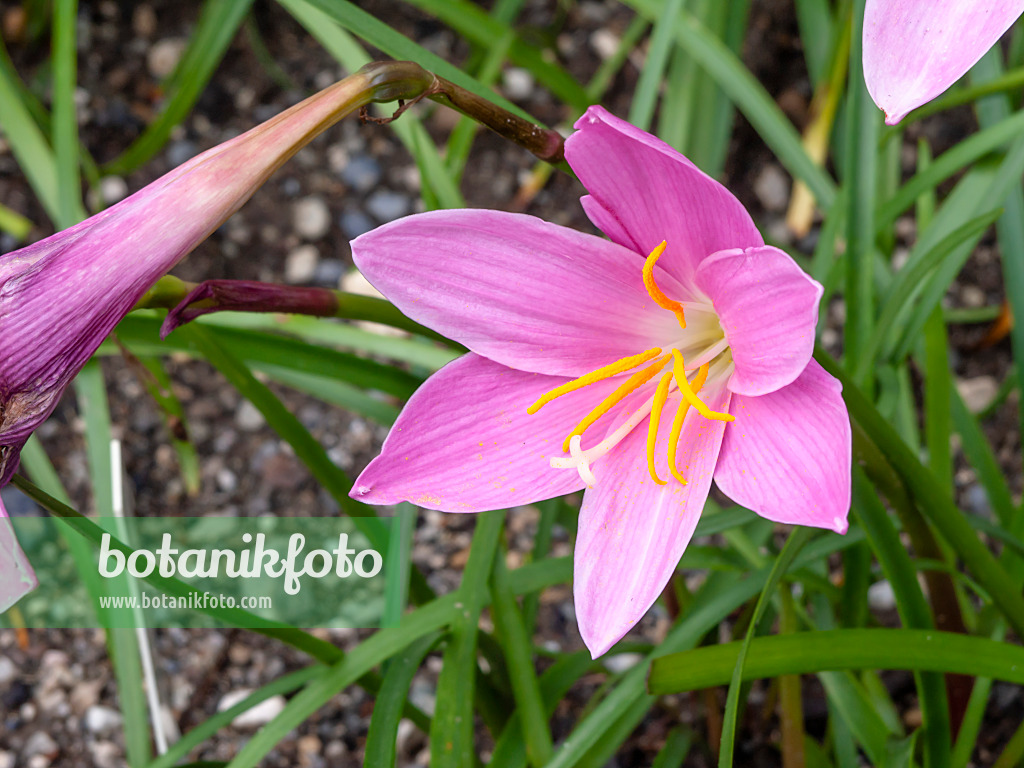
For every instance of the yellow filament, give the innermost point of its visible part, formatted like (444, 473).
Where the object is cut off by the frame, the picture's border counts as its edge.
(634, 382)
(689, 394)
(660, 396)
(619, 366)
(654, 291)
(677, 422)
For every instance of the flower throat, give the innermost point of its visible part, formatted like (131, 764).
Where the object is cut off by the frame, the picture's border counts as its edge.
(650, 363)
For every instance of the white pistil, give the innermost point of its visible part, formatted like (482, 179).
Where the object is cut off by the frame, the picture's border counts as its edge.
(580, 459)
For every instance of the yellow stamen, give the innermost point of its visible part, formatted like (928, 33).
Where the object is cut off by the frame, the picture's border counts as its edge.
(677, 422)
(619, 366)
(689, 394)
(660, 298)
(634, 382)
(660, 396)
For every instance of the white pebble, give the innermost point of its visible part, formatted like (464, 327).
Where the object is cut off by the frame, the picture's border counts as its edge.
(259, 715)
(312, 217)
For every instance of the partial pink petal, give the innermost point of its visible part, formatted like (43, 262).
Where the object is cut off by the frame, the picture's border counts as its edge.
(16, 575)
(916, 49)
(768, 308)
(515, 289)
(643, 191)
(787, 455)
(633, 531)
(465, 443)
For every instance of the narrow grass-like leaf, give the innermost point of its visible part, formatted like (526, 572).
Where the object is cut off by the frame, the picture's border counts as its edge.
(861, 179)
(216, 28)
(839, 649)
(122, 642)
(222, 719)
(750, 98)
(796, 541)
(474, 24)
(717, 599)
(64, 58)
(399, 560)
(913, 609)
(410, 131)
(934, 501)
(948, 163)
(911, 281)
(287, 425)
(383, 645)
(508, 622)
(380, 35)
(1010, 227)
(142, 337)
(29, 146)
(451, 731)
(173, 413)
(645, 96)
(387, 709)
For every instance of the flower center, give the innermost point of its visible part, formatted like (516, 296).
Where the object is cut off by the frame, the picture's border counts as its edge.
(707, 342)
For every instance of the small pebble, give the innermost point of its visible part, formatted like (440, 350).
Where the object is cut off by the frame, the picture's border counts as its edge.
(40, 744)
(7, 670)
(301, 264)
(355, 223)
(248, 417)
(163, 57)
(881, 596)
(259, 715)
(362, 173)
(329, 272)
(977, 392)
(179, 152)
(518, 83)
(386, 206)
(621, 662)
(312, 218)
(100, 719)
(106, 754)
(772, 188)
(113, 189)
(605, 43)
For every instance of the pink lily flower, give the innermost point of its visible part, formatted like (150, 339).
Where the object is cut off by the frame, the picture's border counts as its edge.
(60, 297)
(637, 369)
(915, 49)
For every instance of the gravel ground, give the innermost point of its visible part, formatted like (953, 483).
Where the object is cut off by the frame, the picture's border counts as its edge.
(57, 695)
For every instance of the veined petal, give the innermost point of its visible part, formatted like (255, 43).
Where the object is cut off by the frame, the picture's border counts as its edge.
(633, 531)
(465, 443)
(767, 307)
(653, 193)
(16, 575)
(515, 289)
(916, 49)
(787, 455)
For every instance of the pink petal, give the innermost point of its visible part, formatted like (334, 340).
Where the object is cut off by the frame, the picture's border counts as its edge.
(787, 455)
(515, 289)
(768, 308)
(642, 192)
(916, 49)
(633, 531)
(465, 443)
(16, 575)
